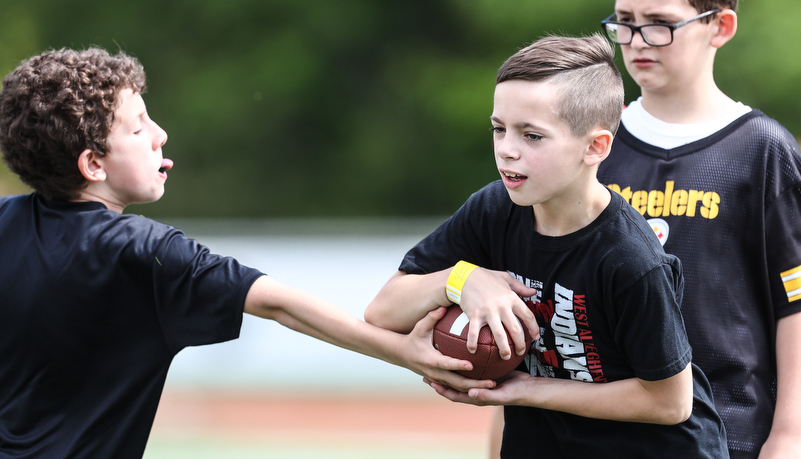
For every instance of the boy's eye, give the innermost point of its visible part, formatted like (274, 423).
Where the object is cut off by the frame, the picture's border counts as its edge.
(533, 137)
(497, 130)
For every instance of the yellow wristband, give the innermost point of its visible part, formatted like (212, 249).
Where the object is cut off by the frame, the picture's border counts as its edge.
(456, 280)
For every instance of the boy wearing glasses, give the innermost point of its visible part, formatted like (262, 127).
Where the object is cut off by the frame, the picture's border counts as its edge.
(721, 186)
(609, 373)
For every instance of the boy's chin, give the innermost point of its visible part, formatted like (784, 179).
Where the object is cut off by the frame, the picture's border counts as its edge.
(149, 199)
(155, 199)
(519, 199)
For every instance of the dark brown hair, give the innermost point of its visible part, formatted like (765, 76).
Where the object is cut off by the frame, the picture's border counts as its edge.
(708, 5)
(54, 106)
(591, 88)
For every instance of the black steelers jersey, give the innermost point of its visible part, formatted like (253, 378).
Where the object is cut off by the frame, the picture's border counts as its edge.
(729, 206)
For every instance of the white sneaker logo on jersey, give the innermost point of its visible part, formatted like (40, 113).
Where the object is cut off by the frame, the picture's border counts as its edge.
(661, 229)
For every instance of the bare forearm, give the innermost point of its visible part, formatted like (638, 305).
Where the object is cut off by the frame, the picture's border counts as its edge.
(786, 430)
(668, 401)
(313, 316)
(406, 298)
(627, 400)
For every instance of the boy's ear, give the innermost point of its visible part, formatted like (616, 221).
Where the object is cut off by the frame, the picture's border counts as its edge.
(599, 148)
(91, 166)
(727, 26)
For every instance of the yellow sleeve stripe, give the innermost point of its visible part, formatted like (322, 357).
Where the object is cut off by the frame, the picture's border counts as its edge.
(793, 273)
(792, 283)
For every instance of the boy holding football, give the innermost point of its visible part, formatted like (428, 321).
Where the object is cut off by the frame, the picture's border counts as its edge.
(610, 372)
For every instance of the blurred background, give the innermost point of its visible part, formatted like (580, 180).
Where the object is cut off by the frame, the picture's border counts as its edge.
(318, 140)
(287, 108)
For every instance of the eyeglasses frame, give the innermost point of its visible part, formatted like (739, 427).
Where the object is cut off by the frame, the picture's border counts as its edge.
(638, 29)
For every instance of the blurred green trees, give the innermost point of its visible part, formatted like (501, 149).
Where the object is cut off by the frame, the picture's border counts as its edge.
(349, 107)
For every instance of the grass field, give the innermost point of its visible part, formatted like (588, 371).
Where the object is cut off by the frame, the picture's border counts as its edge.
(208, 424)
(205, 449)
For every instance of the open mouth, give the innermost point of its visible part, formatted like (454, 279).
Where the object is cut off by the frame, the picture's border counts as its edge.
(166, 164)
(514, 177)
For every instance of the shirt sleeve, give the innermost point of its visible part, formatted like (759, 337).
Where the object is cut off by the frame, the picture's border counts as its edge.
(436, 251)
(199, 296)
(783, 225)
(649, 325)
(470, 234)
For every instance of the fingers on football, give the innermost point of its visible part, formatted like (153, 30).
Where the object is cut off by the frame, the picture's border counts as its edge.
(499, 333)
(459, 383)
(515, 329)
(430, 320)
(527, 318)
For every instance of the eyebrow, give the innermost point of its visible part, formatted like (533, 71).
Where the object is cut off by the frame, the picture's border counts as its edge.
(522, 125)
(668, 17)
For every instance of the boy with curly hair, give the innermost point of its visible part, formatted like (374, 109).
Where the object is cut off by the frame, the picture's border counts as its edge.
(95, 304)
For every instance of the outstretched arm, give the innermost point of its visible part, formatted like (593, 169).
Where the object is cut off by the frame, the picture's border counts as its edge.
(488, 298)
(667, 401)
(305, 313)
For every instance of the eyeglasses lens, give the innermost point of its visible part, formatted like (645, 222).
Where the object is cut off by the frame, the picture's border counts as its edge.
(653, 34)
(656, 35)
(618, 34)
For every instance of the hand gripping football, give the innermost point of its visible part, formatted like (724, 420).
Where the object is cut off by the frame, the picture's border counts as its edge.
(450, 337)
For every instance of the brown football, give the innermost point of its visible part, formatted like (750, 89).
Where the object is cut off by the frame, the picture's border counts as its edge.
(450, 337)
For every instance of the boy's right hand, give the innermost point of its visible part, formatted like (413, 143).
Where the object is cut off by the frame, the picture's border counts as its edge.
(493, 298)
(420, 355)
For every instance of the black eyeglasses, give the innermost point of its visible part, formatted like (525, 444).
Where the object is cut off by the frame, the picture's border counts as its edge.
(652, 34)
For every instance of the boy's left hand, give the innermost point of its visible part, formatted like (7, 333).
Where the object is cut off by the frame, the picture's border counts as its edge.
(420, 356)
(506, 393)
(493, 298)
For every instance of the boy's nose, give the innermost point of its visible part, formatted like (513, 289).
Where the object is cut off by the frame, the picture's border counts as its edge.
(637, 41)
(505, 152)
(161, 138)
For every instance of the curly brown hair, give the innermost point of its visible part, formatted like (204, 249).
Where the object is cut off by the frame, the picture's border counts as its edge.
(54, 106)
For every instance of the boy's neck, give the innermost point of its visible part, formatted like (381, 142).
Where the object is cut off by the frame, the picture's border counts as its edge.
(688, 106)
(88, 194)
(571, 213)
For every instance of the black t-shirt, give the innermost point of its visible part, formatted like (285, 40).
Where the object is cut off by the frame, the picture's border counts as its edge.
(608, 307)
(93, 307)
(728, 207)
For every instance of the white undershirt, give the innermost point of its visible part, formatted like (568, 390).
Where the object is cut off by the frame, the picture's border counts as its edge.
(654, 131)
